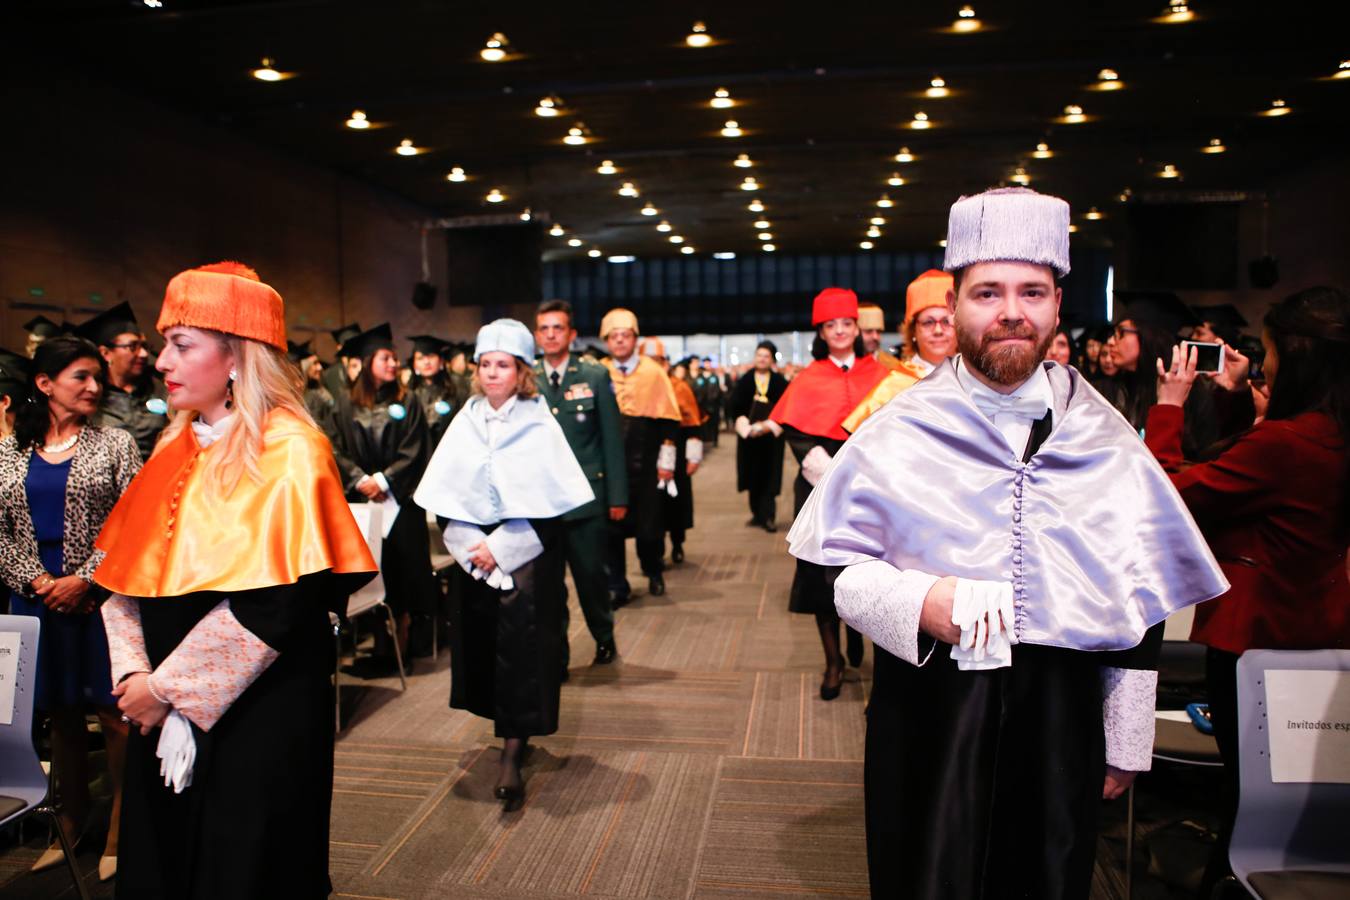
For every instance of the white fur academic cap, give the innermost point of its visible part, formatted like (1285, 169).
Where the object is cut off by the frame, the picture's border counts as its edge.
(508, 336)
(1009, 224)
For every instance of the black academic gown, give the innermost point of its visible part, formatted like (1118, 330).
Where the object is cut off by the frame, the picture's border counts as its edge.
(440, 399)
(142, 412)
(642, 440)
(391, 437)
(680, 508)
(506, 649)
(254, 822)
(759, 461)
(811, 592)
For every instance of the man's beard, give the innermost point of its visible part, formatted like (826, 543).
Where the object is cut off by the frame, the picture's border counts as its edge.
(1011, 364)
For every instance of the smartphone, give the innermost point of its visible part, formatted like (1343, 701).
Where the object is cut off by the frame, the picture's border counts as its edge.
(1208, 357)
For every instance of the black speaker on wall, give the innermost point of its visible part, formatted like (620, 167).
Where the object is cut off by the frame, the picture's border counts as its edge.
(495, 265)
(424, 295)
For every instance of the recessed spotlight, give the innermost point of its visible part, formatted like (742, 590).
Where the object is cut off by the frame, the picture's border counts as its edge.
(495, 196)
(1108, 80)
(557, 230)
(1020, 177)
(1073, 115)
(594, 253)
(648, 209)
(865, 245)
(764, 236)
(874, 232)
(457, 174)
(358, 120)
(732, 129)
(1124, 196)
(575, 242)
(937, 88)
(1169, 171)
(698, 36)
(495, 48)
(895, 180)
(768, 248)
(1343, 70)
(548, 107)
(1094, 214)
(576, 135)
(877, 220)
(607, 168)
(686, 250)
(154, 4)
(756, 206)
(628, 189)
(743, 161)
(724, 254)
(267, 71)
(1277, 108)
(622, 259)
(663, 226)
(761, 224)
(966, 21)
(885, 202)
(1215, 145)
(920, 121)
(405, 148)
(676, 239)
(749, 184)
(904, 156)
(1042, 151)
(526, 215)
(1176, 12)
(721, 99)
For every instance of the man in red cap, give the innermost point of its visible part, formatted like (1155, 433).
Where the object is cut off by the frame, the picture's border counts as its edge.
(810, 412)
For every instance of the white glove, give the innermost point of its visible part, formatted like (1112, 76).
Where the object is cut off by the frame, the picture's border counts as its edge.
(743, 427)
(665, 462)
(983, 610)
(814, 464)
(693, 450)
(177, 751)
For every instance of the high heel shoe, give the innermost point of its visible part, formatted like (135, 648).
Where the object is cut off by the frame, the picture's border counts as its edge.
(828, 692)
(107, 868)
(53, 856)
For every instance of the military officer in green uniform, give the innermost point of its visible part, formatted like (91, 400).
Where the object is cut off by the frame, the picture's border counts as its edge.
(133, 399)
(581, 398)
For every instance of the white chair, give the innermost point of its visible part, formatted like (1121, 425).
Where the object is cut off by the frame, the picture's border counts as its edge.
(24, 787)
(369, 597)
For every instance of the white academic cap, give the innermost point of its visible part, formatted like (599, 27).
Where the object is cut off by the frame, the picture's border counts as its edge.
(1009, 224)
(508, 336)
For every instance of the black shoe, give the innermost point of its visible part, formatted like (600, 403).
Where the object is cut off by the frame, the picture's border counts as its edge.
(656, 585)
(620, 600)
(677, 554)
(771, 527)
(605, 653)
(753, 522)
(828, 692)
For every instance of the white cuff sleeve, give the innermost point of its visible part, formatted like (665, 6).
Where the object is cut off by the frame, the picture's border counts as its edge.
(884, 603)
(665, 458)
(1129, 701)
(513, 544)
(814, 464)
(459, 537)
(693, 450)
(743, 426)
(381, 481)
(774, 427)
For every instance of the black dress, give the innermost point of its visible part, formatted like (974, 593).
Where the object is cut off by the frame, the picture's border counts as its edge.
(812, 593)
(254, 822)
(506, 648)
(759, 461)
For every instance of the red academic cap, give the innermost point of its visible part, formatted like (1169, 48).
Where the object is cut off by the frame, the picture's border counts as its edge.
(834, 303)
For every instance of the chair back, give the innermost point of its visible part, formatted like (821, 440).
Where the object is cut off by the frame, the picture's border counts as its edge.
(369, 518)
(21, 774)
(1292, 824)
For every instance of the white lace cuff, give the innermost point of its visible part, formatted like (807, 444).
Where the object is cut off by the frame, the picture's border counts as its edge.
(1129, 699)
(693, 450)
(884, 603)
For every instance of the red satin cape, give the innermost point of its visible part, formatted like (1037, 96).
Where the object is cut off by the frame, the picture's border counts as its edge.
(817, 401)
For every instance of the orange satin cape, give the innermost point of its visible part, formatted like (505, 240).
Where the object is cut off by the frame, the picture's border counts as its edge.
(895, 383)
(817, 401)
(171, 534)
(646, 393)
(690, 415)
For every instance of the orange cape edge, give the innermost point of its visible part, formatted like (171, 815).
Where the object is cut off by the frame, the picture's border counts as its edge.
(818, 400)
(690, 414)
(169, 535)
(647, 393)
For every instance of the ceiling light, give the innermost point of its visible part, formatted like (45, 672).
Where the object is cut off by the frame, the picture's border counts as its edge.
(865, 245)
(743, 161)
(1043, 151)
(628, 190)
(731, 129)
(457, 174)
(937, 88)
(594, 253)
(548, 107)
(557, 230)
(358, 120)
(895, 180)
(764, 236)
(920, 121)
(1215, 145)
(724, 254)
(877, 220)
(1073, 114)
(675, 239)
(1175, 13)
(686, 250)
(663, 226)
(1073, 229)
(904, 156)
(885, 202)
(622, 259)
(761, 224)
(749, 184)
(649, 210)
(1124, 196)
(267, 71)
(526, 215)
(966, 21)
(1277, 108)
(874, 231)
(768, 248)
(1169, 171)
(756, 206)
(721, 99)
(575, 242)
(405, 148)
(495, 49)
(576, 135)
(698, 36)
(154, 4)
(495, 196)
(1094, 214)
(607, 168)
(1020, 176)
(1343, 70)
(1108, 80)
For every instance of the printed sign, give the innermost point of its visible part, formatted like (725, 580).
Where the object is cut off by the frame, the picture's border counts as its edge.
(9, 673)
(1309, 719)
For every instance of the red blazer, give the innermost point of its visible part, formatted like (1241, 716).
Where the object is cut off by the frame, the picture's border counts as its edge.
(1270, 507)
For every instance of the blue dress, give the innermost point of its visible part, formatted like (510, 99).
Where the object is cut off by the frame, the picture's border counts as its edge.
(73, 666)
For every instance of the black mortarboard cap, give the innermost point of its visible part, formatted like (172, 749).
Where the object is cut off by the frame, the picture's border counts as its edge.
(106, 326)
(298, 351)
(427, 343)
(42, 326)
(14, 371)
(345, 333)
(367, 342)
(1221, 314)
(1160, 309)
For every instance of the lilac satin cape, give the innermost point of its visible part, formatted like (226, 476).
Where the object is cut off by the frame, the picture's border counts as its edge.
(1097, 543)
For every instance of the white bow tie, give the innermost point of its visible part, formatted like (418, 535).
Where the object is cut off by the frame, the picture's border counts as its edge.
(992, 404)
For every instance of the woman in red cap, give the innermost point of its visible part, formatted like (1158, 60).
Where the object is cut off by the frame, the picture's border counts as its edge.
(224, 557)
(810, 413)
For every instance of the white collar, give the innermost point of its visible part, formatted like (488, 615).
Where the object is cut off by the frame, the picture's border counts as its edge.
(502, 413)
(1035, 389)
(923, 365)
(560, 369)
(845, 363)
(209, 434)
(629, 364)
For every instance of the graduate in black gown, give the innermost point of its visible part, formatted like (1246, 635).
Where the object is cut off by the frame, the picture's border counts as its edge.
(225, 556)
(439, 393)
(759, 447)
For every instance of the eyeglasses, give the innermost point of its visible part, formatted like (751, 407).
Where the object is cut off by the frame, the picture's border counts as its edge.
(930, 324)
(1121, 331)
(133, 346)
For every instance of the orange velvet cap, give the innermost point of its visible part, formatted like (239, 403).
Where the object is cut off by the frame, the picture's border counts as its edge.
(929, 289)
(834, 303)
(227, 297)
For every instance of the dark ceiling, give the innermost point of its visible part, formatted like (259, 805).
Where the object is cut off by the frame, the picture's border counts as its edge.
(824, 94)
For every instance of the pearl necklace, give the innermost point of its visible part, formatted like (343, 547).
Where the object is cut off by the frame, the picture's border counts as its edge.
(63, 446)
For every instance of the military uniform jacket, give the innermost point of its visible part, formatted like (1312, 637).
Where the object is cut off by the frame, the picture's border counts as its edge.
(585, 408)
(143, 412)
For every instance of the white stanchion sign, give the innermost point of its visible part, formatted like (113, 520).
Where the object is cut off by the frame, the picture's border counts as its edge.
(9, 673)
(1308, 713)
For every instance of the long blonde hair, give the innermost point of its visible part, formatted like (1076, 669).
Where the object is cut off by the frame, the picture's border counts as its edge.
(265, 381)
